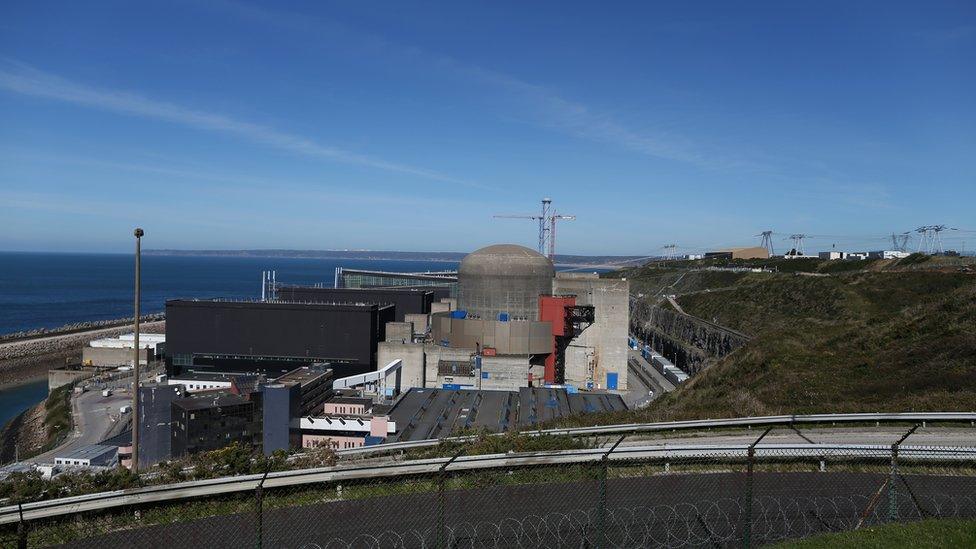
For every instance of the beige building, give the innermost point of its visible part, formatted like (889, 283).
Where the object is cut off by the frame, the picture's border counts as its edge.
(755, 252)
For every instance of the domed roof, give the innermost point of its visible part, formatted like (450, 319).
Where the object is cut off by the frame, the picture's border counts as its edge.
(506, 260)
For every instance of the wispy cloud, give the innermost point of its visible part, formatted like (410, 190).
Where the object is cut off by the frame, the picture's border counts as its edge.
(299, 191)
(575, 118)
(541, 105)
(23, 79)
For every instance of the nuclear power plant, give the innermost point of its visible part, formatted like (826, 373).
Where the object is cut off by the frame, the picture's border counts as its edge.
(516, 323)
(504, 342)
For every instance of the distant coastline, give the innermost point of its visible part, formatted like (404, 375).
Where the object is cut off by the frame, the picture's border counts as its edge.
(387, 255)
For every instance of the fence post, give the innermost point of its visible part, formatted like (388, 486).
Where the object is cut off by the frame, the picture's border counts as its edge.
(259, 510)
(601, 517)
(751, 455)
(441, 541)
(21, 529)
(892, 490)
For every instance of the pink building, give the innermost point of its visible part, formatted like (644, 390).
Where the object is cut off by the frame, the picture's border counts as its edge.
(347, 406)
(342, 433)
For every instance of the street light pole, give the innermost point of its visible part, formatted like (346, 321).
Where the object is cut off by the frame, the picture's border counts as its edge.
(135, 354)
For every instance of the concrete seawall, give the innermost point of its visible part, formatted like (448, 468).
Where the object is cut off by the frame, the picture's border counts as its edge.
(28, 359)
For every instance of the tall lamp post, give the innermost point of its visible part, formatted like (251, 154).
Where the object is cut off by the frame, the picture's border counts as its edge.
(135, 356)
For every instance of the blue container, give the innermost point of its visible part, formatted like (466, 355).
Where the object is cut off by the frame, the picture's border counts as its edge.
(459, 314)
(612, 380)
(503, 317)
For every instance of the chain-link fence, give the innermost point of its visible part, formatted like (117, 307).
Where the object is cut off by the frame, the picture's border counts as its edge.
(622, 493)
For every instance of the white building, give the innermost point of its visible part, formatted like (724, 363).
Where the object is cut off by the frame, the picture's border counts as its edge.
(95, 455)
(888, 254)
(832, 255)
(127, 341)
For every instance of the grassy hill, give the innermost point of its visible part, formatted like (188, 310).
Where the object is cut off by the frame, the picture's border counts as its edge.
(861, 340)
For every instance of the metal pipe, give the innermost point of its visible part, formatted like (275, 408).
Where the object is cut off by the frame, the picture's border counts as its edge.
(135, 355)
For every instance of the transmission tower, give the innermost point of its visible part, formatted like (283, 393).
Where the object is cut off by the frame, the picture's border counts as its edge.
(547, 226)
(798, 242)
(900, 241)
(669, 253)
(767, 241)
(930, 240)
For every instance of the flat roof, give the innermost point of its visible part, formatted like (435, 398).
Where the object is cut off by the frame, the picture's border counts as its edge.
(91, 451)
(303, 375)
(425, 413)
(540, 404)
(383, 290)
(207, 376)
(249, 304)
(209, 400)
(122, 439)
(350, 400)
(435, 413)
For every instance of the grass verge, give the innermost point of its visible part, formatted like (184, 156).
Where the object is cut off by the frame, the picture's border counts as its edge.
(921, 534)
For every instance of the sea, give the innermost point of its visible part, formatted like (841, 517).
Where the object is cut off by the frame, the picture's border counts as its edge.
(45, 290)
(48, 290)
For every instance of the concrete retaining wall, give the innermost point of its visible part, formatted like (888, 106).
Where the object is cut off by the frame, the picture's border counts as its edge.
(690, 342)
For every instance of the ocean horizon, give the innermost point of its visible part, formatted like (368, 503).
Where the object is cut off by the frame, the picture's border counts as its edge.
(53, 289)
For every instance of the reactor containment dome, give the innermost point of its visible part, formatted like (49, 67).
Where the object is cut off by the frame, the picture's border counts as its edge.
(504, 282)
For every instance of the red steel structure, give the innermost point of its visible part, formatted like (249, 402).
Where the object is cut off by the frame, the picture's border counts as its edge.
(553, 309)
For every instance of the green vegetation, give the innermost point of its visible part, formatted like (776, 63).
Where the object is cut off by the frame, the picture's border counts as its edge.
(886, 337)
(926, 533)
(58, 420)
(232, 460)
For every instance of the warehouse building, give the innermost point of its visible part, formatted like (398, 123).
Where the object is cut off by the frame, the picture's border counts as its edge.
(272, 338)
(93, 455)
(117, 351)
(754, 252)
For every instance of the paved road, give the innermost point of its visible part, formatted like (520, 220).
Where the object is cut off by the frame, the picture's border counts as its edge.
(94, 417)
(658, 380)
(674, 304)
(884, 435)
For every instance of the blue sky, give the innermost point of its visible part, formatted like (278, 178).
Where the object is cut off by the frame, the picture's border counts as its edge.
(333, 125)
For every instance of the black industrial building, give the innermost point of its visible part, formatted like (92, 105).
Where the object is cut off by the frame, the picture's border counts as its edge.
(213, 420)
(155, 421)
(281, 406)
(406, 300)
(272, 337)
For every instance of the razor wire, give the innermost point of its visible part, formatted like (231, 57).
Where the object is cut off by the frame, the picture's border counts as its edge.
(706, 523)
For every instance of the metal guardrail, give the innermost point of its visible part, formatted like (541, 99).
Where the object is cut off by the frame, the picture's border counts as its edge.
(757, 421)
(226, 485)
